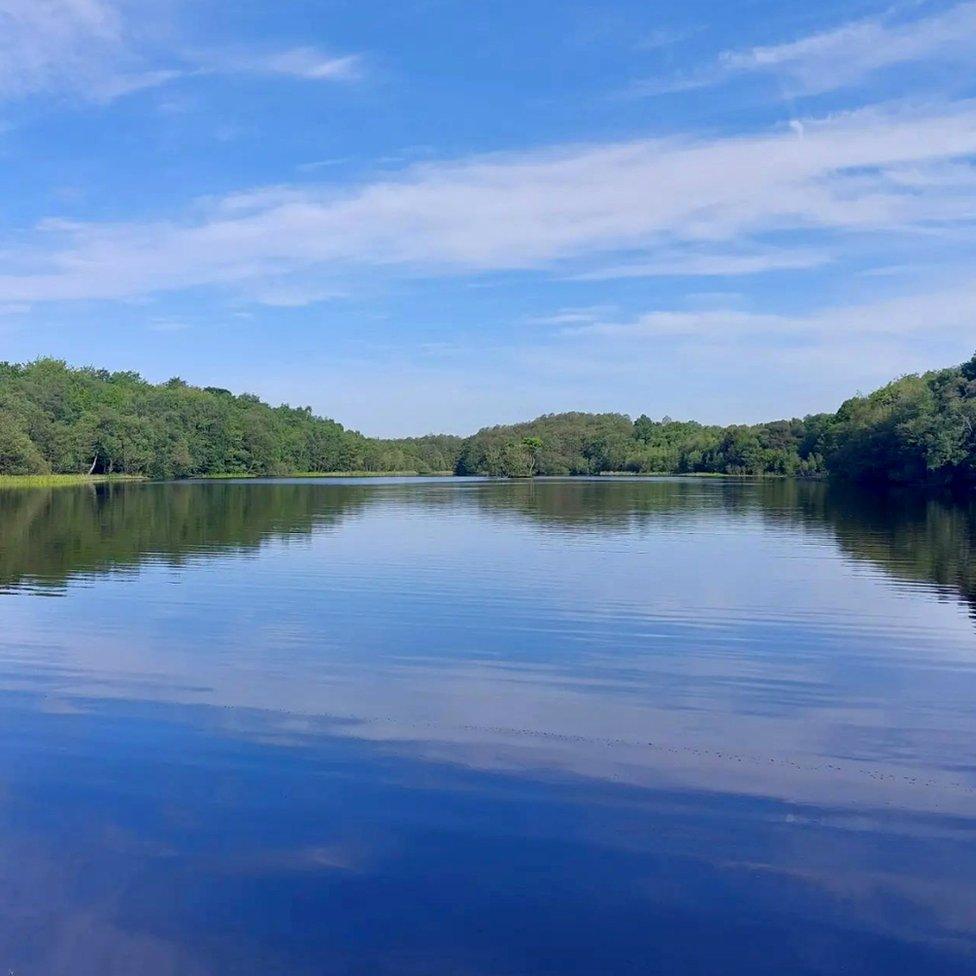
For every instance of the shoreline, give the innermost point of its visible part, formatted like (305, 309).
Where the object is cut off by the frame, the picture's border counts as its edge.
(225, 476)
(64, 480)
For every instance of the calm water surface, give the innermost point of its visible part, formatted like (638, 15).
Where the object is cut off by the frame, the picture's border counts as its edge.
(486, 729)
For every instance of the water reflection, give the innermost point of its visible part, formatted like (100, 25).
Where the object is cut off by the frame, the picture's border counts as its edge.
(49, 536)
(549, 727)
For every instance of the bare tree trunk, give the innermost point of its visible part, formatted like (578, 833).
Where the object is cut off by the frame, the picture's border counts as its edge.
(91, 470)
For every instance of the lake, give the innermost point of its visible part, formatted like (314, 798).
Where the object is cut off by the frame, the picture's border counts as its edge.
(486, 728)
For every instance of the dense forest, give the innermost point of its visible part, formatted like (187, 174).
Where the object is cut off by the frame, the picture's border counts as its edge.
(57, 419)
(916, 429)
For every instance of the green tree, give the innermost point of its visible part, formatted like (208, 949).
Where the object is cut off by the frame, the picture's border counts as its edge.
(18, 455)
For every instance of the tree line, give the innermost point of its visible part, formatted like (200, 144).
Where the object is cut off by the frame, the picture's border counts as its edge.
(57, 419)
(916, 429)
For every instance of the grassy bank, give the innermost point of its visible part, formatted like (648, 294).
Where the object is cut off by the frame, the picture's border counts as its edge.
(334, 474)
(676, 474)
(60, 480)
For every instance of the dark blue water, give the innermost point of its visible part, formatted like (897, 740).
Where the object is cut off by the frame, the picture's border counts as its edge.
(486, 729)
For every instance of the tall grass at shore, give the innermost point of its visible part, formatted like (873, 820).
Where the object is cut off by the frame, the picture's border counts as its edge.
(60, 480)
(224, 476)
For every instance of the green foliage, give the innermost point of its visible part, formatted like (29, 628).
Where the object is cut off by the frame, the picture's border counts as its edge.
(566, 443)
(54, 419)
(57, 419)
(575, 443)
(917, 429)
(18, 455)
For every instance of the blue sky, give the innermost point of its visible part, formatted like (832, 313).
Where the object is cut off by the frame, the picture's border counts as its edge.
(438, 214)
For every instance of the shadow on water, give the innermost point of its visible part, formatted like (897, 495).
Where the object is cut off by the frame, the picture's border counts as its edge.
(912, 535)
(48, 537)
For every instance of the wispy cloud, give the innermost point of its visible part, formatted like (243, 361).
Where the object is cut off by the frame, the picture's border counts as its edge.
(588, 314)
(663, 37)
(549, 209)
(845, 55)
(113, 86)
(57, 45)
(741, 365)
(711, 264)
(96, 50)
(945, 310)
(306, 63)
(290, 295)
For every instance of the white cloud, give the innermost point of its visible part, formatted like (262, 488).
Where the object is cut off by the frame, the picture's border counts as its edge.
(308, 63)
(55, 44)
(573, 316)
(290, 295)
(109, 88)
(847, 54)
(537, 209)
(662, 38)
(92, 50)
(100, 50)
(946, 311)
(305, 63)
(712, 264)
